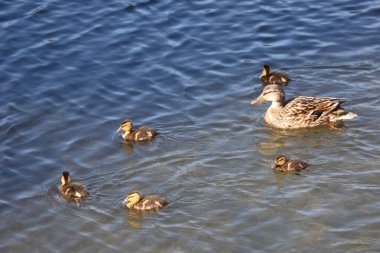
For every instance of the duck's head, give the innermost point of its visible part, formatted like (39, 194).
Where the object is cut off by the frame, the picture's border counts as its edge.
(271, 92)
(281, 160)
(131, 199)
(125, 126)
(266, 72)
(65, 178)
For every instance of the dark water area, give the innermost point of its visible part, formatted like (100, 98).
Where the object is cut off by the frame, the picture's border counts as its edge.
(70, 72)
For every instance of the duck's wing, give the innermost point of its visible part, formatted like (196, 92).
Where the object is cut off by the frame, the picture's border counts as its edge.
(311, 107)
(152, 202)
(76, 191)
(299, 164)
(143, 133)
(278, 78)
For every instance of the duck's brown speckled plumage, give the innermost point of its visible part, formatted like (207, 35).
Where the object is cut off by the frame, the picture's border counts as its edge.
(284, 164)
(147, 203)
(268, 77)
(72, 191)
(301, 112)
(140, 134)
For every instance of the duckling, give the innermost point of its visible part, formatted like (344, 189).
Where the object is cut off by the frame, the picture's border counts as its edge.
(274, 77)
(148, 203)
(140, 134)
(72, 191)
(284, 164)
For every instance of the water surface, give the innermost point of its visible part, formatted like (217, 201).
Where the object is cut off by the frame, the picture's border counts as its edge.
(71, 71)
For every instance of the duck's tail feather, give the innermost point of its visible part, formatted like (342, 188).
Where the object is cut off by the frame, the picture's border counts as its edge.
(346, 116)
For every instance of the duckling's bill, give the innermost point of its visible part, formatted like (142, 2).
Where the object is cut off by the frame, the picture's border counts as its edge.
(117, 131)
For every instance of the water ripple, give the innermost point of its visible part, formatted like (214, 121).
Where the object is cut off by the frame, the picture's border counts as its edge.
(71, 72)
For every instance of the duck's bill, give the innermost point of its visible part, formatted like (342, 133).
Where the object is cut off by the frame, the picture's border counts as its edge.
(258, 100)
(117, 131)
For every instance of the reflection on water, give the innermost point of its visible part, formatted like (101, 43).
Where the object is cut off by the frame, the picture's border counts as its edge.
(70, 72)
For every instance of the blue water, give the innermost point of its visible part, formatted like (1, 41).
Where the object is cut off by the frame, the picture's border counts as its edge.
(70, 72)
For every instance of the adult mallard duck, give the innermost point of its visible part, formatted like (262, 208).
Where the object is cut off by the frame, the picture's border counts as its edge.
(284, 164)
(140, 134)
(148, 203)
(72, 191)
(301, 112)
(273, 78)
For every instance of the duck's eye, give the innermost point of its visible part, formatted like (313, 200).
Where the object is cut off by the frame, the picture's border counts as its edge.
(281, 160)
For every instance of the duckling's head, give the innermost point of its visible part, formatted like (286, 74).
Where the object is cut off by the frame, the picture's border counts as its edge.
(131, 199)
(126, 126)
(271, 92)
(65, 178)
(281, 160)
(266, 71)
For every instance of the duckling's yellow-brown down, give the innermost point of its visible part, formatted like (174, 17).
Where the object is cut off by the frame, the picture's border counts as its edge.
(72, 191)
(140, 134)
(284, 164)
(273, 78)
(147, 203)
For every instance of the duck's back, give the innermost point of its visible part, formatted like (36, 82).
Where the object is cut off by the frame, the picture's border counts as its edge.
(292, 165)
(150, 202)
(142, 133)
(279, 78)
(276, 78)
(310, 105)
(296, 165)
(73, 191)
(310, 111)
